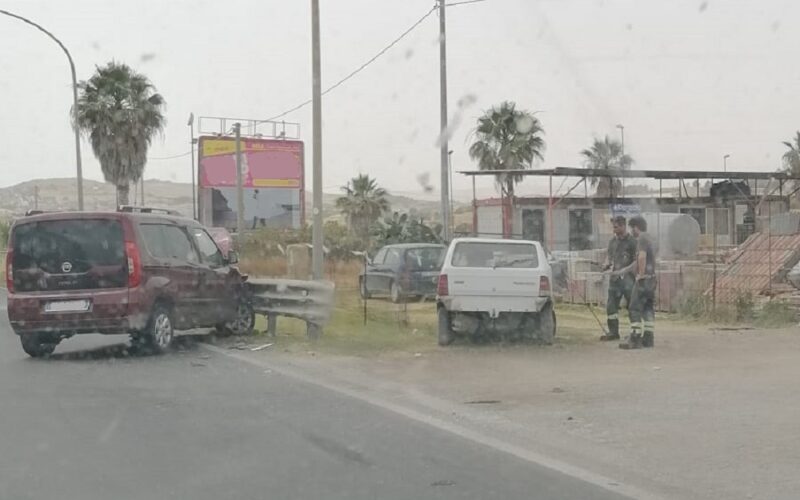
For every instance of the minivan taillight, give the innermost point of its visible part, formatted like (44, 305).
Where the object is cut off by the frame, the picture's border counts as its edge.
(544, 285)
(134, 264)
(442, 288)
(9, 270)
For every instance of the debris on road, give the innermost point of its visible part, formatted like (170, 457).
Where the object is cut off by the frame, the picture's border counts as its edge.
(262, 347)
(483, 402)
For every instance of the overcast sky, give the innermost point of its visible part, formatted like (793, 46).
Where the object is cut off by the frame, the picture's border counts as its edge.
(690, 80)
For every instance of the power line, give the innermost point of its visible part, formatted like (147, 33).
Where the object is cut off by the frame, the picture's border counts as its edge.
(171, 157)
(357, 70)
(462, 3)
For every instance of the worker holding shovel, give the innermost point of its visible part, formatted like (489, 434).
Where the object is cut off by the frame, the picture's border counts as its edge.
(621, 255)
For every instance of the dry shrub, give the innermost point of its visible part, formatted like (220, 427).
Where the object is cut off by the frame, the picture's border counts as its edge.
(343, 273)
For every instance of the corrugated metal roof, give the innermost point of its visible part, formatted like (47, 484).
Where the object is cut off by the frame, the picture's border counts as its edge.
(756, 263)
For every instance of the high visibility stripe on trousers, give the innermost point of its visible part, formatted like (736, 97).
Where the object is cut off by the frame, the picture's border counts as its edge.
(636, 327)
(649, 326)
(613, 316)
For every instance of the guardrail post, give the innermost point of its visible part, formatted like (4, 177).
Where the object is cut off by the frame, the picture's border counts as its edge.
(272, 324)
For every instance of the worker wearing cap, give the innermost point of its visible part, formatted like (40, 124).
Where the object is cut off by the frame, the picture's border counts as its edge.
(642, 307)
(621, 254)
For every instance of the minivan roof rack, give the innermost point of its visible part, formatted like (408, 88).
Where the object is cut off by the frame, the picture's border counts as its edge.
(146, 210)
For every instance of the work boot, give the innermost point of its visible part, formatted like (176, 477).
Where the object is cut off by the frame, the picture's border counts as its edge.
(613, 331)
(634, 341)
(648, 339)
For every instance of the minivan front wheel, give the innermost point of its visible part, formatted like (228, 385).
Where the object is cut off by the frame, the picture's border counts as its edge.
(245, 320)
(37, 345)
(159, 332)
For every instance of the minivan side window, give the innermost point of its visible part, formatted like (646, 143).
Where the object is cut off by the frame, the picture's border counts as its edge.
(209, 252)
(168, 242)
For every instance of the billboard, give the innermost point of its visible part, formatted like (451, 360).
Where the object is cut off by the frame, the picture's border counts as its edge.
(272, 177)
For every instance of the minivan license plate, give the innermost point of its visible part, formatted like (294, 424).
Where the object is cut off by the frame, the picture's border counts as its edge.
(67, 306)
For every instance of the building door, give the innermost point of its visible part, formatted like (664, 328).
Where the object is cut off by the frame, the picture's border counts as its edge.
(580, 229)
(533, 224)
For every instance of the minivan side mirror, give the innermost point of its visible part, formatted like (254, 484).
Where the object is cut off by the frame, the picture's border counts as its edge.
(233, 257)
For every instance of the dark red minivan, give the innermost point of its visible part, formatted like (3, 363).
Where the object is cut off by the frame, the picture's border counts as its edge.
(135, 271)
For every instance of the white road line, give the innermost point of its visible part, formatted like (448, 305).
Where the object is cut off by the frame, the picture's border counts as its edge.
(458, 430)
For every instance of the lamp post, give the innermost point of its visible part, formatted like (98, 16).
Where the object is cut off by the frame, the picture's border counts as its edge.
(725, 163)
(74, 100)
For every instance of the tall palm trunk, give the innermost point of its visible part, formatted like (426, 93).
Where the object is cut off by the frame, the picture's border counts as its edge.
(508, 208)
(123, 191)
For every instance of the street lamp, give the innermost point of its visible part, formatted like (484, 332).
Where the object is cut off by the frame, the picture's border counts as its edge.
(74, 100)
(725, 163)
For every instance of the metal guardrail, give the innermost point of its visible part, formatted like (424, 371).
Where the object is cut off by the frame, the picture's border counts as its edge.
(309, 301)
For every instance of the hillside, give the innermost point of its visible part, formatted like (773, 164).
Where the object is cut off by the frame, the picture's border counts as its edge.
(60, 194)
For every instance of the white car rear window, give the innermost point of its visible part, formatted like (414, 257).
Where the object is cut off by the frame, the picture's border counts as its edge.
(500, 254)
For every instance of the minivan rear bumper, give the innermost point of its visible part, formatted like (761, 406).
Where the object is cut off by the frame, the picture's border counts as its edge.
(111, 311)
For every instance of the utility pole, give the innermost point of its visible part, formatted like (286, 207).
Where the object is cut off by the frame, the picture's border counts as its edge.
(191, 144)
(77, 131)
(622, 144)
(237, 131)
(316, 97)
(445, 182)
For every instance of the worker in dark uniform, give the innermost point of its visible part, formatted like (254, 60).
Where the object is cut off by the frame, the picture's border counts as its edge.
(642, 307)
(621, 254)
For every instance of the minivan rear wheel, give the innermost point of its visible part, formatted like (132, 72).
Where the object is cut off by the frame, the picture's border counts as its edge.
(37, 345)
(160, 333)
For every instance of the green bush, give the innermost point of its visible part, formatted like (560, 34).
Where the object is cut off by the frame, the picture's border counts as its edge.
(693, 305)
(776, 313)
(744, 306)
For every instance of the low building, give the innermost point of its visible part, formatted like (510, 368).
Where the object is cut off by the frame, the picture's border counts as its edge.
(573, 222)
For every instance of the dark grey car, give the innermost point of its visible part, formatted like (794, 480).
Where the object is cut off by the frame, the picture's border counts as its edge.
(410, 269)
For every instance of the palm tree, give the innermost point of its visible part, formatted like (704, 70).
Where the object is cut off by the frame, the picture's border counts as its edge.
(605, 155)
(362, 204)
(507, 139)
(791, 158)
(120, 112)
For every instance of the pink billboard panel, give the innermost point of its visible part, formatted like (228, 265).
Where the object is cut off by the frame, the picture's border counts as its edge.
(266, 163)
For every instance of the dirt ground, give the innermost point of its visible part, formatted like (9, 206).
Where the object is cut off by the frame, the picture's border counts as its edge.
(708, 413)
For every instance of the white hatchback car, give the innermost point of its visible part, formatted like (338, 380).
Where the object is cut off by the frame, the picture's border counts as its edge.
(495, 287)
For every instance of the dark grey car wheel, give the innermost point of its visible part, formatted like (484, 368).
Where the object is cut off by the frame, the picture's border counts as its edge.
(395, 293)
(362, 289)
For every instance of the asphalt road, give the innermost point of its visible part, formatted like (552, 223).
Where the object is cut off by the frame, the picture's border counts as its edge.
(93, 423)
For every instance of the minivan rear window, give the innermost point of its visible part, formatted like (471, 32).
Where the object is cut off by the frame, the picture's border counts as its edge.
(491, 254)
(69, 255)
